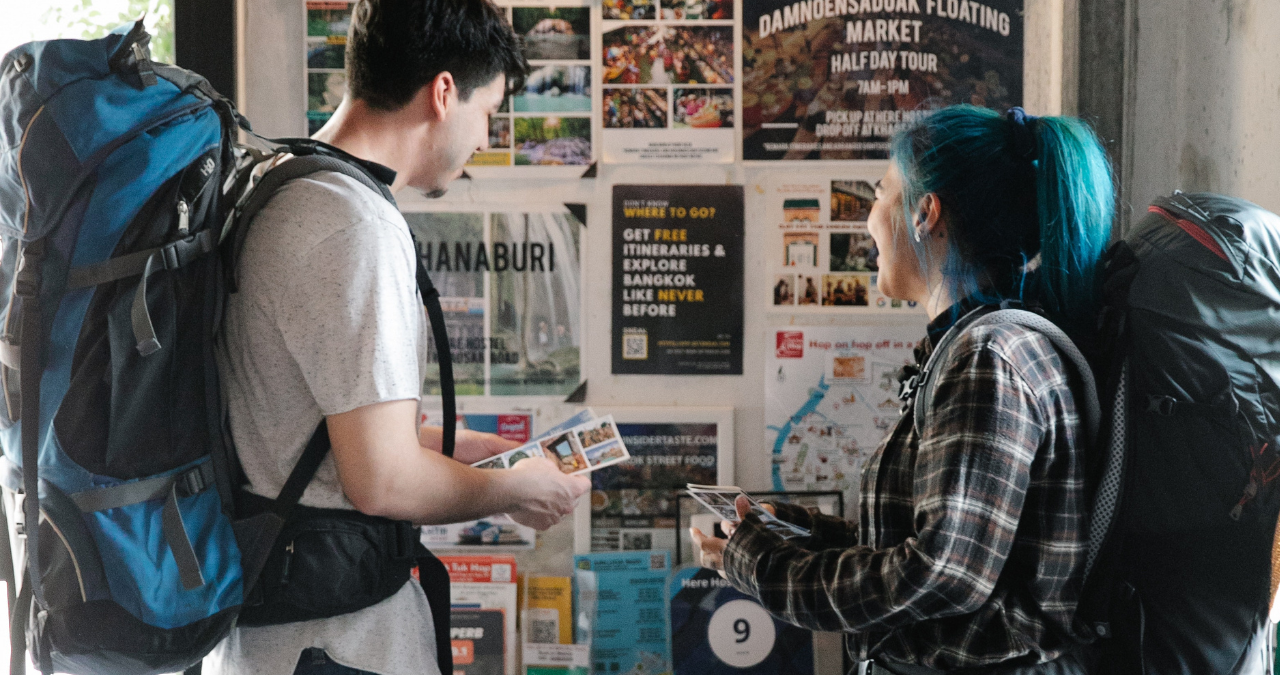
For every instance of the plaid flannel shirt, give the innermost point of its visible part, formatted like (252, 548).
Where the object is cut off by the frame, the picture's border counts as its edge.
(970, 545)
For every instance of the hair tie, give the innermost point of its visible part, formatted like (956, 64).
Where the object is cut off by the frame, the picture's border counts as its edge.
(1024, 139)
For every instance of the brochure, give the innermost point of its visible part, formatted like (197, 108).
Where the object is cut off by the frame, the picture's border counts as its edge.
(721, 500)
(484, 582)
(630, 633)
(549, 610)
(477, 637)
(582, 448)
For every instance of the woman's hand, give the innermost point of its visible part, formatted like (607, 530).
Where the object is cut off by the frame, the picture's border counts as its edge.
(712, 548)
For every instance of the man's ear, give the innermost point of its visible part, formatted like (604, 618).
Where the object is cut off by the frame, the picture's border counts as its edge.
(442, 96)
(929, 222)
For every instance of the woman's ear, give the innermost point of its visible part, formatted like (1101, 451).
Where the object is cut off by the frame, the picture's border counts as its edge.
(929, 222)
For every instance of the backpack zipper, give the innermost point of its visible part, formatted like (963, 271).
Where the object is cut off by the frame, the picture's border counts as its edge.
(284, 568)
(184, 217)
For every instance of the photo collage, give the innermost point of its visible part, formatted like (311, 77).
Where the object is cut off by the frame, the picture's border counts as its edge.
(586, 447)
(667, 65)
(825, 255)
(326, 45)
(549, 122)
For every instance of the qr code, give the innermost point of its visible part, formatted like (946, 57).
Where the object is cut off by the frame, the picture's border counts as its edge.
(544, 626)
(635, 345)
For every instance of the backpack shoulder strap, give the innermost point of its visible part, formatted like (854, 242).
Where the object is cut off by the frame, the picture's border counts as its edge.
(1092, 410)
(315, 162)
(1106, 496)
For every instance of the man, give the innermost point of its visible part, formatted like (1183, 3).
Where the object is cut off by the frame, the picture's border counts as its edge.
(328, 324)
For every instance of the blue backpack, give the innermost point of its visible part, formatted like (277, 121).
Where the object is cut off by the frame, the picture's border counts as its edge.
(119, 179)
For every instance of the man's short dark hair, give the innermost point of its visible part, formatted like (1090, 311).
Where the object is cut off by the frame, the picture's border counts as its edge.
(396, 47)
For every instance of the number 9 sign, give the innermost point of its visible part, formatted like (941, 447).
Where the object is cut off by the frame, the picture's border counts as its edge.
(741, 633)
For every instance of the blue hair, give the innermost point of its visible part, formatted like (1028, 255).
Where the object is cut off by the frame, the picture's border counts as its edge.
(1028, 205)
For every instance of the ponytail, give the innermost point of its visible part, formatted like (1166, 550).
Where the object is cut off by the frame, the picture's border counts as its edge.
(1075, 204)
(1028, 204)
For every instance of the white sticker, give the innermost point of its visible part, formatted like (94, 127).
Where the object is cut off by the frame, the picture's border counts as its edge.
(741, 633)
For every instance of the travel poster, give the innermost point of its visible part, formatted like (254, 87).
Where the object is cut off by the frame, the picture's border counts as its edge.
(820, 256)
(667, 81)
(835, 79)
(677, 279)
(633, 507)
(510, 288)
(546, 128)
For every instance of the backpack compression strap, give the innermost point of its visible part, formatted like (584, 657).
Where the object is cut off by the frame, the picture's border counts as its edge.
(307, 164)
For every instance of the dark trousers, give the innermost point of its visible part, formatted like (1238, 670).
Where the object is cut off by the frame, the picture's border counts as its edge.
(1074, 663)
(315, 662)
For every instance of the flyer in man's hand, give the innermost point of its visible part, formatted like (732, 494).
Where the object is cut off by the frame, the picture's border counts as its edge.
(577, 446)
(722, 501)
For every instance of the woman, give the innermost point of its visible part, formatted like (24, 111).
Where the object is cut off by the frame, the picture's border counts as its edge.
(969, 551)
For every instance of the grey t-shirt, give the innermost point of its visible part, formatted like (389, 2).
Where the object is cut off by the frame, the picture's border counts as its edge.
(327, 319)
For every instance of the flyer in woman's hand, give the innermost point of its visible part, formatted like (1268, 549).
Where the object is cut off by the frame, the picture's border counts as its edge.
(722, 501)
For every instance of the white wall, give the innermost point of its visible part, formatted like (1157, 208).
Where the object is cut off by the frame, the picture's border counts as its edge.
(1205, 107)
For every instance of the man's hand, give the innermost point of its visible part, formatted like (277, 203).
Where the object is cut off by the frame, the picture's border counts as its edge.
(545, 494)
(469, 446)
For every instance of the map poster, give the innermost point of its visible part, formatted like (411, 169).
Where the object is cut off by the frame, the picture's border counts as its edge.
(677, 279)
(821, 259)
(633, 507)
(667, 81)
(831, 396)
(833, 79)
(546, 129)
(510, 288)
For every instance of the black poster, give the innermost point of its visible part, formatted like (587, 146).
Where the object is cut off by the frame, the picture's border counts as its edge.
(833, 79)
(477, 640)
(677, 279)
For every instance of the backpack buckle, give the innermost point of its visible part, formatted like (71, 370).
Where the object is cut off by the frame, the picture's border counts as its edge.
(195, 481)
(1161, 405)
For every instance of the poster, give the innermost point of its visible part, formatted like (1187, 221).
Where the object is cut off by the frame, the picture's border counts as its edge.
(677, 279)
(831, 395)
(484, 583)
(821, 258)
(630, 633)
(633, 507)
(667, 77)
(546, 129)
(477, 639)
(510, 288)
(325, 57)
(717, 630)
(834, 79)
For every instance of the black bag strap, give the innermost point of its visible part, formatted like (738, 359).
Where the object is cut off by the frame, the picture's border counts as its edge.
(317, 447)
(439, 333)
(314, 156)
(434, 578)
